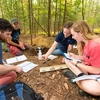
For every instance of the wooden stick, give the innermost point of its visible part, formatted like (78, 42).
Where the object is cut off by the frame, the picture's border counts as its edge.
(53, 68)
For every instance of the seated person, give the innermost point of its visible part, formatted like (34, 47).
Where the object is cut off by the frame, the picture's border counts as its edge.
(7, 74)
(63, 42)
(15, 46)
(89, 53)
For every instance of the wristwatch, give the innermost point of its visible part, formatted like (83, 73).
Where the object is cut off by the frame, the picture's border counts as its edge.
(77, 63)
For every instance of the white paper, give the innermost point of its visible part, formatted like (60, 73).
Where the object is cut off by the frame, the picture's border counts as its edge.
(52, 57)
(16, 59)
(27, 66)
(84, 77)
(69, 58)
(7, 65)
(75, 46)
(21, 58)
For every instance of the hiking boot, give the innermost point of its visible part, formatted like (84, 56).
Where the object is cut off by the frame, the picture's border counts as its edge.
(68, 73)
(82, 93)
(19, 53)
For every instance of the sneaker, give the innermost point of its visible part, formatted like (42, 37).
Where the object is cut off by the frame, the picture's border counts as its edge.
(82, 93)
(68, 73)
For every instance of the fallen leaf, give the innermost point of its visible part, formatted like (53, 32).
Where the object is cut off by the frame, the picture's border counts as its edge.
(66, 86)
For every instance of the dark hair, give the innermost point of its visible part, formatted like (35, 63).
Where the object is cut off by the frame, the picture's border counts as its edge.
(5, 25)
(68, 24)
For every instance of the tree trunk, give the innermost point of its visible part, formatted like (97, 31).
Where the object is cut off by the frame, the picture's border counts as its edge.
(30, 25)
(64, 12)
(82, 9)
(49, 17)
(55, 19)
(23, 16)
(59, 19)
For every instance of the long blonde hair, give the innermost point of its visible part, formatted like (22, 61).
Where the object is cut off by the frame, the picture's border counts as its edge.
(82, 27)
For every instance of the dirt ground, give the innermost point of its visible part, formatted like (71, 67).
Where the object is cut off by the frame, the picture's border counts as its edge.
(49, 84)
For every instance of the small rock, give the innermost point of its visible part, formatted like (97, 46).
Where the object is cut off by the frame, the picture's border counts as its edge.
(46, 96)
(66, 86)
(53, 98)
(53, 76)
(58, 72)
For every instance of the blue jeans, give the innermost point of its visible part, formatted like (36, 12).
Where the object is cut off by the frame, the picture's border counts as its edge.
(57, 52)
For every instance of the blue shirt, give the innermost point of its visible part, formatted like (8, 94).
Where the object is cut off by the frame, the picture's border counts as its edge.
(64, 42)
(1, 54)
(15, 34)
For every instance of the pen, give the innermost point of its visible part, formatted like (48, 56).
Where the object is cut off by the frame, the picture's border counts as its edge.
(68, 52)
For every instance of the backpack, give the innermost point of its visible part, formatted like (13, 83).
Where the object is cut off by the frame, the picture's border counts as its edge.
(18, 91)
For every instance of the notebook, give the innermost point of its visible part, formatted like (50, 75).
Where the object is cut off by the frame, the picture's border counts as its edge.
(51, 57)
(16, 59)
(27, 66)
(69, 58)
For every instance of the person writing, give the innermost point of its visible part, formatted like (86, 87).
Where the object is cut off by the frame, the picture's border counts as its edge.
(89, 52)
(7, 73)
(63, 42)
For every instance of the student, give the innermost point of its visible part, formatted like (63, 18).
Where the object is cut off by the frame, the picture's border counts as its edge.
(7, 74)
(63, 42)
(89, 52)
(14, 44)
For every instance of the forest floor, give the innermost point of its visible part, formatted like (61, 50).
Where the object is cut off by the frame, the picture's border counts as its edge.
(49, 84)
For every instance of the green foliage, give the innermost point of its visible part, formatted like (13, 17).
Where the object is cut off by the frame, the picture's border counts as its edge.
(97, 30)
(19, 9)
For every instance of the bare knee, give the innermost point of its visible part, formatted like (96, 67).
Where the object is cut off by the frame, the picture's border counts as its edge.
(14, 75)
(90, 86)
(8, 78)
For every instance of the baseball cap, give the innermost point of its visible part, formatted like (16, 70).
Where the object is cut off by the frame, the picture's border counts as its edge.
(14, 20)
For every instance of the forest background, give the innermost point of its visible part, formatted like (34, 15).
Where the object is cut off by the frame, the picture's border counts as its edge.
(48, 16)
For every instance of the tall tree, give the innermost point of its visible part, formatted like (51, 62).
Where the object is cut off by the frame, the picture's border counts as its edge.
(30, 18)
(83, 9)
(59, 16)
(64, 12)
(23, 16)
(49, 17)
(55, 18)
